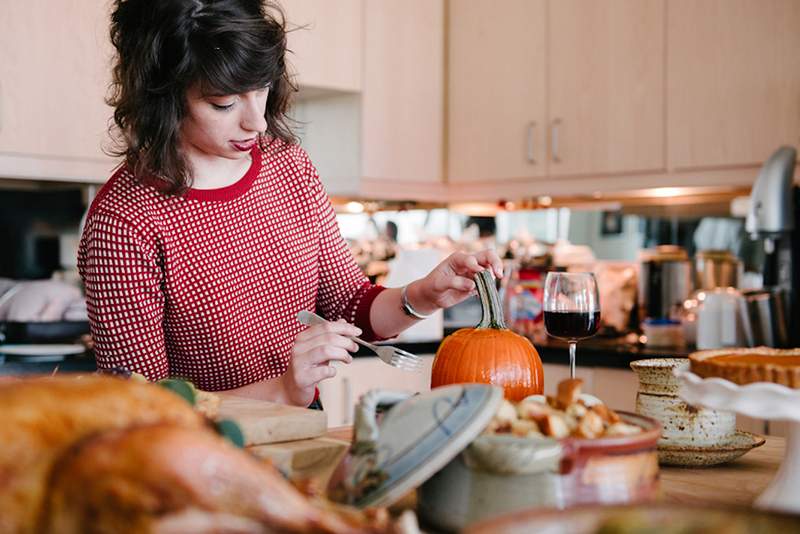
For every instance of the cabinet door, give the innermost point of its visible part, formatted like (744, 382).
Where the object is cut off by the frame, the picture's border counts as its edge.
(54, 73)
(733, 80)
(402, 133)
(325, 43)
(496, 90)
(606, 86)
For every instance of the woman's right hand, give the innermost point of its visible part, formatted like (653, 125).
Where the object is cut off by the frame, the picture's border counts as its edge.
(315, 348)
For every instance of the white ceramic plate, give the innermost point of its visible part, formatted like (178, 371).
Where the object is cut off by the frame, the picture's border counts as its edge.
(42, 353)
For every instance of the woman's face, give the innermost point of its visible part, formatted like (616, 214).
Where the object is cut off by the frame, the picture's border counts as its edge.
(223, 126)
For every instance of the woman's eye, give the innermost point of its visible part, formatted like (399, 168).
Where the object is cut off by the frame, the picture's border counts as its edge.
(222, 107)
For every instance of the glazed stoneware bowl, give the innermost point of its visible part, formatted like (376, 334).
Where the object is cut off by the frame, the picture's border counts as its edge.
(684, 426)
(495, 476)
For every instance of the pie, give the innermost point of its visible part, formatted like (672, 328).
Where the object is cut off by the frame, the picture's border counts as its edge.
(744, 366)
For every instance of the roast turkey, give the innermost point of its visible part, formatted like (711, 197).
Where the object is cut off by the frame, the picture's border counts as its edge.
(103, 454)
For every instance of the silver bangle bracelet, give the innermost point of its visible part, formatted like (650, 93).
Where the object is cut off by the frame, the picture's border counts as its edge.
(408, 309)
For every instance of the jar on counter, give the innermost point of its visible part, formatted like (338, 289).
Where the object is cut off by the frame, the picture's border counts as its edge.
(523, 299)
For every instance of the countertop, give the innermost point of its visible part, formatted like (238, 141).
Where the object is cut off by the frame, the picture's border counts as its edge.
(594, 352)
(735, 483)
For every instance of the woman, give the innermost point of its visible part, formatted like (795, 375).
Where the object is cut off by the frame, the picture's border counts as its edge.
(203, 246)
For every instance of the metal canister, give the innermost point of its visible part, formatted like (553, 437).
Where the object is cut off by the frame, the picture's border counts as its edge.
(717, 268)
(665, 281)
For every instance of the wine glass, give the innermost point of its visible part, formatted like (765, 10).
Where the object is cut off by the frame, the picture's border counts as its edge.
(571, 309)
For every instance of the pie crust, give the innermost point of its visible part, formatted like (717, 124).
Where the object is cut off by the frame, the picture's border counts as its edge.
(745, 366)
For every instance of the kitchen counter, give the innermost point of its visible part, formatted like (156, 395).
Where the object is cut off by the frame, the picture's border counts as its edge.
(83, 363)
(597, 352)
(594, 352)
(736, 483)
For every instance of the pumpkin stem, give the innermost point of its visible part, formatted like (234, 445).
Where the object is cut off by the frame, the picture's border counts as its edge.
(491, 308)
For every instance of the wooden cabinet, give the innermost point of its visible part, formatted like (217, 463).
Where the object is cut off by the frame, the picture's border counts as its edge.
(325, 43)
(496, 91)
(340, 394)
(733, 74)
(54, 73)
(402, 131)
(392, 131)
(555, 88)
(606, 86)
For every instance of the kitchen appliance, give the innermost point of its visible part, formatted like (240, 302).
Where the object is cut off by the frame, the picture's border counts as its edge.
(720, 322)
(765, 313)
(716, 268)
(773, 217)
(665, 281)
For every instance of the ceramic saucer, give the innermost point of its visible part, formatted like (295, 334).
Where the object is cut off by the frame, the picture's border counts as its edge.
(694, 456)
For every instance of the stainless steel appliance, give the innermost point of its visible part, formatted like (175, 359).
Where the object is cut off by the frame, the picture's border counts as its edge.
(665, 281)
(765, 319)
(773, 217)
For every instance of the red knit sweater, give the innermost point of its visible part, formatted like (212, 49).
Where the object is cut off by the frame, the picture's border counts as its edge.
(207, 286)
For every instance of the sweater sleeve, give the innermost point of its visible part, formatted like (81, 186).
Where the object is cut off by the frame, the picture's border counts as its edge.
(344, 291)
(123, 278)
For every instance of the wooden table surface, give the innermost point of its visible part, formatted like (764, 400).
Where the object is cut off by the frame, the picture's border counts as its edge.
(735, 483)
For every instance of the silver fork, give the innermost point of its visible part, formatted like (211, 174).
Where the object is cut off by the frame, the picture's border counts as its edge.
(392, 355)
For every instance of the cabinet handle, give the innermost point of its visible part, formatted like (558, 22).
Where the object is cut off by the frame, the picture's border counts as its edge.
(554, 128)
(530, 144)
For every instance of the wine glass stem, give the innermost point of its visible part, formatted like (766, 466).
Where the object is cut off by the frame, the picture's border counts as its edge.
(572, 345)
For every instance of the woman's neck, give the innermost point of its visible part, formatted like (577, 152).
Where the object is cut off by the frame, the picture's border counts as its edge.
(213, 172)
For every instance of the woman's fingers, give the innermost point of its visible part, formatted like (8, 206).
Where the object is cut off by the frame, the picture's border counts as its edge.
(310, 377)
(324, 339)
(489, 259)
(459, 283)
(339, 327)
(471, 264)
(322, 355)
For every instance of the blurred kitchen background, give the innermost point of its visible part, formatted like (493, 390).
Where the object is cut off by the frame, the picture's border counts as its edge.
(624, 137)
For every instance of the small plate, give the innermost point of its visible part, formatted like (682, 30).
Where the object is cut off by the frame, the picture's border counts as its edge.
(693, 456)
(41, 353)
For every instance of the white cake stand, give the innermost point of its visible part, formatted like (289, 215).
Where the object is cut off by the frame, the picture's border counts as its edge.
(761, 400)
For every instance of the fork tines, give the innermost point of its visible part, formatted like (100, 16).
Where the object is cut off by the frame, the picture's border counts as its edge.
(405, 360)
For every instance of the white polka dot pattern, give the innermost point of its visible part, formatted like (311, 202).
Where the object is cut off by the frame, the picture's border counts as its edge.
(207, 286)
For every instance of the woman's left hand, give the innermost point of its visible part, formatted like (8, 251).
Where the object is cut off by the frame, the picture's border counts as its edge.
(452, 281)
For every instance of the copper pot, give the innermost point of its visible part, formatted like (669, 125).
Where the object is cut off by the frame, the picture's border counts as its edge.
(716, 268)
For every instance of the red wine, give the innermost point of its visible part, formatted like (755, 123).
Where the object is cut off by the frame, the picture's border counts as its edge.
(571, 325)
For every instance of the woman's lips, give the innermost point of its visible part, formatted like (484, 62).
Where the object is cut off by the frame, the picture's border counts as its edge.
(245, 145)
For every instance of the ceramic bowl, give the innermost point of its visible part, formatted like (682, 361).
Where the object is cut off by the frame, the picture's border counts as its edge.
(683, 424)
(524, 473)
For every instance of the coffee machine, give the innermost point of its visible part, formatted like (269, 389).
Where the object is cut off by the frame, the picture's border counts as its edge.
(774, 217)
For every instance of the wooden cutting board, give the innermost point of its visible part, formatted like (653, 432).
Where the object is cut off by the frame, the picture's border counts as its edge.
(269, 422)
(305, 460)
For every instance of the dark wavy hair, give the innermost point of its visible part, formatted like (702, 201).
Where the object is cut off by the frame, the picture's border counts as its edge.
(164, 47)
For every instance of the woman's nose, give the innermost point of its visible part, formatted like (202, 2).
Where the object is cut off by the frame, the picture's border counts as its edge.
(253, 118)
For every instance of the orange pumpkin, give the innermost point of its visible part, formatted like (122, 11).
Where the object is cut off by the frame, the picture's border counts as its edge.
(490, 353)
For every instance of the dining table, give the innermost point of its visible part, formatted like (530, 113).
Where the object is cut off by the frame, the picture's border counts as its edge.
(736, 483)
